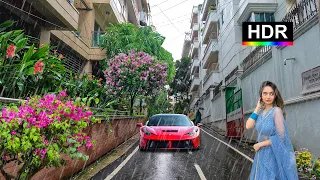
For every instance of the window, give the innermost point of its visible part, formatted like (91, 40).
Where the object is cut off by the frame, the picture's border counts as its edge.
(169, 120)
(96, 35)
(222, 21)
(218, 27)
(263, 17)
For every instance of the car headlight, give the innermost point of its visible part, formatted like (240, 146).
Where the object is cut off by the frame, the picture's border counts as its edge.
(193, 132)
(146, 131)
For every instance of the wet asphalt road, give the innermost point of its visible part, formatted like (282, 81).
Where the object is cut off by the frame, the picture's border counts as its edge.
(216, 160)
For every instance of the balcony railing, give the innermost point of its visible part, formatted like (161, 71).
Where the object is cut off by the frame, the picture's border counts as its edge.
(229, 76)
(213, 69)
(207, 30)
(255, 56)
(195, 65)
(96, 38)
(216, 90)
(302, 12)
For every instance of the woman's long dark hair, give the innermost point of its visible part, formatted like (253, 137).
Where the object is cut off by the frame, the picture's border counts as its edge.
(278, 101)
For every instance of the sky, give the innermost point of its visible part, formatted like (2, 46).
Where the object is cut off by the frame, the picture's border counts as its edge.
(179, 13)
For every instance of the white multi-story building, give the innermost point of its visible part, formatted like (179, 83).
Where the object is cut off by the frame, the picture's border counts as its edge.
(219, 61)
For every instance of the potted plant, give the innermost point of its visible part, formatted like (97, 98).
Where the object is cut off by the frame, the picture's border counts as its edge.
(308, 167)
(212, 7)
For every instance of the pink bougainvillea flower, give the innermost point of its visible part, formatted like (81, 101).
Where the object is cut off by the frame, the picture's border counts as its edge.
(11, 51)
(63, 93)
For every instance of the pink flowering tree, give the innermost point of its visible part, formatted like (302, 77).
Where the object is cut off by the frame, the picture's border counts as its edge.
(135, 74)
(36, 134)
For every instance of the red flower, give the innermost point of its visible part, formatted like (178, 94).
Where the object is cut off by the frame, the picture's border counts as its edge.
(11, 51)
(38, 67)
(60, 56)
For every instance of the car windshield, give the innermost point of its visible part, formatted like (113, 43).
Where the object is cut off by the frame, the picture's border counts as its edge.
(174, 120)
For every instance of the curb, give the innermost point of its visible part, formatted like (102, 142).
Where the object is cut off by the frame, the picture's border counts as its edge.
(95, 167)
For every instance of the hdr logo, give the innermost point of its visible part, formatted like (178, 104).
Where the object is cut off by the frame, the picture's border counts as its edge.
(267, 33)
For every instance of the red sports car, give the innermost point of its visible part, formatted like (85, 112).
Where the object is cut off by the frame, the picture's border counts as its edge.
(169, 131)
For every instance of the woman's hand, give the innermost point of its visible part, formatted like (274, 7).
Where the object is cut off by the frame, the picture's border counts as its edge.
(256, 147)
(259, 104)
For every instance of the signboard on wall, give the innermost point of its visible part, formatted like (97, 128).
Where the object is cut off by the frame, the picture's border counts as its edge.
(234, 112)
(311, 80)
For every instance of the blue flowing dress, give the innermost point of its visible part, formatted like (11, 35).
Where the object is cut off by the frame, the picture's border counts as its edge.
(277, 161)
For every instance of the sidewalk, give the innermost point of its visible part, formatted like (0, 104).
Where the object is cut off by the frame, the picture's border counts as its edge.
(94, 168)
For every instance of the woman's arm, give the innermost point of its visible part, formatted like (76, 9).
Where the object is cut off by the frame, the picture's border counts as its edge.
(251, 122)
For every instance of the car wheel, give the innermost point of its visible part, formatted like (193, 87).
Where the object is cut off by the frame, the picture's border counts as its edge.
(141, 148)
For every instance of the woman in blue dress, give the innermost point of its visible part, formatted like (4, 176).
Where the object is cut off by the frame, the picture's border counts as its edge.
(275, 157)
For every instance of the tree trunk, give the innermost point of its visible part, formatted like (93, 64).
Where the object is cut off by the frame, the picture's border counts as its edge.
(140, 105)
(131, 105)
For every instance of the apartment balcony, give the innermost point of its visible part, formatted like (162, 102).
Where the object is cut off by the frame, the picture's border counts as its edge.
(194, 98)
(195, 66)
(133, 13)
(143, 17)
(195, 27)
(111, 7)
(60, 12)
(75, 42)
(211, 27)
(195, 10)
(194, 49)
(211, 54)
(194, 31)
(249, 6)
(207, 6)
(195, 84)
(211, 78)
(186, 47)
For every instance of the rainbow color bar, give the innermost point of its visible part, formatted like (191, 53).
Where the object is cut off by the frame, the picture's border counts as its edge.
(261, 43)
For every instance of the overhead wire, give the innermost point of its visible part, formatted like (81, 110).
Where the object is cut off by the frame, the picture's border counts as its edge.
(173, 19)
(171, 7)
(160, 3)
(168, 19)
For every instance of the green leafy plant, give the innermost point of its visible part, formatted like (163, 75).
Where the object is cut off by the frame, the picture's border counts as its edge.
(158, 104)
(26, 70)
(212, 7)
(125, 37)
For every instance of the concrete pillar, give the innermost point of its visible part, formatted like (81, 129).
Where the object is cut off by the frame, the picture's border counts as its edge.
(88, 68)
(44, 36)
(211, 93)
(86, 24)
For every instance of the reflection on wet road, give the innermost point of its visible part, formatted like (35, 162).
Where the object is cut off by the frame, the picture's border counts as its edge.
(213, 161)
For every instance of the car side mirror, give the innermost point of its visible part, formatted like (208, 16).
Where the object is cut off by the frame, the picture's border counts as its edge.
(139, 124)
(199, 124)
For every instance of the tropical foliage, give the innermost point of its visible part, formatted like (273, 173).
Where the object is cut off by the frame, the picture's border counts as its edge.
(26, 70)
(158, 104)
